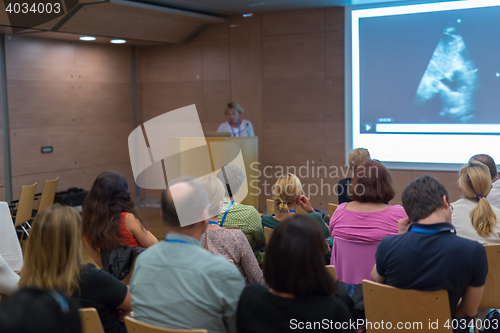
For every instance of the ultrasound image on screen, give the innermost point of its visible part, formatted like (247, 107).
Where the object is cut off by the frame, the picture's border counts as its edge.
(430, 68)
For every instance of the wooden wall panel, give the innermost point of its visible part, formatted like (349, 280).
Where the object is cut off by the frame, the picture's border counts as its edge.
(35, 103)
(40, 59)
(104, 102)
(26, 146)
(215, 31)
(216, 94)
(294, 143)
(306, 103)
(159, 98)
(334, 97)
(246, 69)
(178, 63)
(293, 22)
(74, 97)
(215, 60)
(103, 144)
(401, 179)
(102, 63)
(294, 56)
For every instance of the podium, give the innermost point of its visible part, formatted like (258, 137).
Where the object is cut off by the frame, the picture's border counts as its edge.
(201, 156)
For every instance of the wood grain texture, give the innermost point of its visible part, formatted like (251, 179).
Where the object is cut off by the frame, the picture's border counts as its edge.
(102, 63)
(104, 102)
(216, 94)
(102, 144)
(172, 63)
(26, 146)
(401, 179)
(67, 178)
(34, 103)
(215, 60)
(334, 99)
(291, 144)
(305, 104)
(39, 59)
(159, 98)
(294, 56)
(293, 22)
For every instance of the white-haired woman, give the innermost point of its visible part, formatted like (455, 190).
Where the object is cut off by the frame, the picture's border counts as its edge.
(234, 124)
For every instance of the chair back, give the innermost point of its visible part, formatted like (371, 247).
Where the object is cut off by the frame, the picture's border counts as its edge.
(126, 280)
(91, 323)
(25, 205)
(332, 272)
(491, 294)
(353, 260)
(414, 309)
(268, 232)
(331, 209)
(136, 326)
(48, 193)
(270, 207)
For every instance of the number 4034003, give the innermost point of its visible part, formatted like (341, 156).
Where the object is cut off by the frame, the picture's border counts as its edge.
(40, 8)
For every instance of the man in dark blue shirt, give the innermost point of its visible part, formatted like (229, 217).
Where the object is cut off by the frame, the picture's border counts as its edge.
(428, 255)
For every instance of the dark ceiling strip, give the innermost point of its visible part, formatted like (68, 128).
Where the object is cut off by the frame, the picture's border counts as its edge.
(193, 34)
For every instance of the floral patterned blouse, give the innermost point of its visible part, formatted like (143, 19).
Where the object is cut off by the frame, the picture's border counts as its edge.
(232, 244)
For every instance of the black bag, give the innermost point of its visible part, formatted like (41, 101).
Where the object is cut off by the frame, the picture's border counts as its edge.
(72, 197)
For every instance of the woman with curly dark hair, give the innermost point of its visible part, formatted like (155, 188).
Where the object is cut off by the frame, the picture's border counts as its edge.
(109, 217)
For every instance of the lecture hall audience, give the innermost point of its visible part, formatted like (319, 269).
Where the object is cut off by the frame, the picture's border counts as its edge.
(300, 290)
(428, 255)
(494, 195)
(472, 216)
(53, 260)
(177, 283)
(358, 226)
(245, 217)
(229, 243)
(355, 158)
(110, 218)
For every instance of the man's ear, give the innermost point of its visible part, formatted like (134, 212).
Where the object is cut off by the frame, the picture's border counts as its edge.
(446, 204)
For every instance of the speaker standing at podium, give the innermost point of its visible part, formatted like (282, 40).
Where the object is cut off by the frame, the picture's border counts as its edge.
(234, 125)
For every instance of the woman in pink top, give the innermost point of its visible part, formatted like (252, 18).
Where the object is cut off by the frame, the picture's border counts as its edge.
(358, 226)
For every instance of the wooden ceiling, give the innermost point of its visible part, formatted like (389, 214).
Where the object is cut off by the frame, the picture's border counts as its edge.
(138, 23)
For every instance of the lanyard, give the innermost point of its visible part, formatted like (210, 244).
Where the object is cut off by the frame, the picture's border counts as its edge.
(225, 214)
(213, 222)
(239, 134)
(424, 231)
(177, 241)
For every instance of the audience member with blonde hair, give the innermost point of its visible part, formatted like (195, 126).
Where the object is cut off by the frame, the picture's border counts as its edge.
(494, 195)
(53, 260)
(356, 157)
(234, 124)
(287, 197)
(473, 216)
(229, 243)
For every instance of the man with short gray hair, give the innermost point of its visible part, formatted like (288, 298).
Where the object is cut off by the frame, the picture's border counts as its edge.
(177, 283)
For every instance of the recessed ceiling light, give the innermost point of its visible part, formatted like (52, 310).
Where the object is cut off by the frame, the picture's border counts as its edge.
(118, 41)
(87, 38)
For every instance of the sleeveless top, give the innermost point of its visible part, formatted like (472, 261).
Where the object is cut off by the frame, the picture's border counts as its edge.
(127, 235)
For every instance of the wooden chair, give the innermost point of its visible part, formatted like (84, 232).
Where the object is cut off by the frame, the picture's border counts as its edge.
(268, 232)
(333, 273)
(491, 294)
(331, 209)
(393, 306)
(135, 326)
(91, 323)
(25, 206)
(48, 193)
(270, 207)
